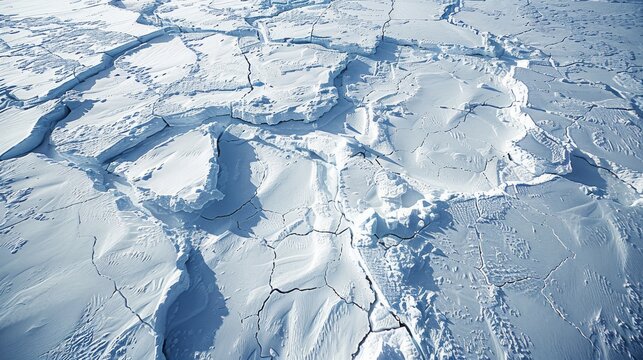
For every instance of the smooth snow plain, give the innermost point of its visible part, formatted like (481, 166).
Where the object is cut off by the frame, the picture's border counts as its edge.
(321, 179)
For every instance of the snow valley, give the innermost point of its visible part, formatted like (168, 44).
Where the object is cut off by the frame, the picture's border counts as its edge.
(321, 179)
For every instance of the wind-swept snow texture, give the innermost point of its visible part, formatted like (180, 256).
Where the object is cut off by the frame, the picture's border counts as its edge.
(321, 179)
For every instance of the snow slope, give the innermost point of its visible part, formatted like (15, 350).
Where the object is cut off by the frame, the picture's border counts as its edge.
(315, 179)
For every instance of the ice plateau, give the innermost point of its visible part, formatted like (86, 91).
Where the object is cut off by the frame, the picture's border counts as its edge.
(321, 179)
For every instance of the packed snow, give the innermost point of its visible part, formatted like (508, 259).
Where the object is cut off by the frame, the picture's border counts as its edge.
(321, 179)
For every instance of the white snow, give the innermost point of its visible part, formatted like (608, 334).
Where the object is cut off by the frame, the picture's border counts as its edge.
(179, 174)
(314, 179)
(24, 129)
(81, 269)
(289, 82)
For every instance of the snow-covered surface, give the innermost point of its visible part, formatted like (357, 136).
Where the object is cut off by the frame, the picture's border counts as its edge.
(315, 179)
(83, 271)
(180, 173)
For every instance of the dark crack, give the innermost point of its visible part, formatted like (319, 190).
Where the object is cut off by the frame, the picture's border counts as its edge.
(615, 175)
(117, 289)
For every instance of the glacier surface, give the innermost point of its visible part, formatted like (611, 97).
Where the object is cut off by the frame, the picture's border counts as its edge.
(321, 179)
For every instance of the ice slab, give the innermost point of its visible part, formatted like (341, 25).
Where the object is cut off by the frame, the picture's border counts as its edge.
(289, 82)
(160, 172)
(47, 51)
(362, 24)
(115, 112)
